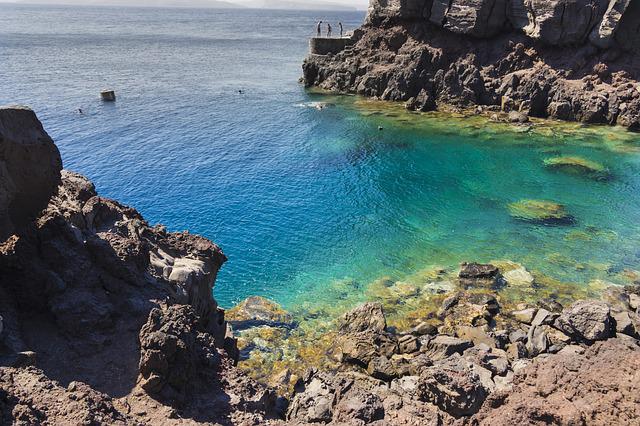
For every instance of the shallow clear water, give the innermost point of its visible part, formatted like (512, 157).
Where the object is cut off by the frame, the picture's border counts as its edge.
(298, 197)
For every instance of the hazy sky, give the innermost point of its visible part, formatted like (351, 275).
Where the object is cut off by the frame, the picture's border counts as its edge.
(360, 4)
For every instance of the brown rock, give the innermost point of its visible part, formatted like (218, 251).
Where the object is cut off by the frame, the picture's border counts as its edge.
(30, 167)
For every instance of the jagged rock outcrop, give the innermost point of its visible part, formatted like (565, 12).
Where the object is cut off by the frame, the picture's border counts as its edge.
(90, 293)
(572, 60)
(24, 190)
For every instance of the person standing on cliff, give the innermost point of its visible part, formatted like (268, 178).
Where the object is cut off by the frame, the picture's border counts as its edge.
(319, 28)
(328, 29)
(340, 25)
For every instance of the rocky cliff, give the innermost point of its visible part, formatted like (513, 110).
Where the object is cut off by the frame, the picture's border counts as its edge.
(103, 318)
(566, 59)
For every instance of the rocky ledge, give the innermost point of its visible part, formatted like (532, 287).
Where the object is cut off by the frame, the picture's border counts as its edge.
(573, 60)
(107, 320)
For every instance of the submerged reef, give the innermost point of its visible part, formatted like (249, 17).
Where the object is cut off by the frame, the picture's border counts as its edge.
(108, 320)
(574, 60)
(540, 211)
(579, 166)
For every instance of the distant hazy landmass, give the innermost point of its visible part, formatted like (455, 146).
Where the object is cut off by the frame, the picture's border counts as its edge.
(258, 4)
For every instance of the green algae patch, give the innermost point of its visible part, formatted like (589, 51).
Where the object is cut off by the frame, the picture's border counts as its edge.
(579, 166)
(540, 211)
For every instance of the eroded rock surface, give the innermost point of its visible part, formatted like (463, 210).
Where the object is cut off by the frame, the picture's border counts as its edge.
(24, 190)
(105, 318)
(572, 60)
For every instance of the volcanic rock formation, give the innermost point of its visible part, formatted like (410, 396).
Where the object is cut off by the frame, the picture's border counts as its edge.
(91, 293)
(573, 60)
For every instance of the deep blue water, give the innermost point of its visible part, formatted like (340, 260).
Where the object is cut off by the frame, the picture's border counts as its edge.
(297, 197)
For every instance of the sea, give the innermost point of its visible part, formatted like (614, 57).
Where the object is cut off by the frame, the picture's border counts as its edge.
(213, 133)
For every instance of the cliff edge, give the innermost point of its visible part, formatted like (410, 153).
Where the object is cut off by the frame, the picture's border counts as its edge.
(105, 319)
(573, 60)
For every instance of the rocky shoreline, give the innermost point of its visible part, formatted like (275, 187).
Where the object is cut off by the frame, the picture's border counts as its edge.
(569, 60)
(105, 319)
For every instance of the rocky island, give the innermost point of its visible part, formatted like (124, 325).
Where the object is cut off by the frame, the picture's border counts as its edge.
(105, 319)
(573, 60)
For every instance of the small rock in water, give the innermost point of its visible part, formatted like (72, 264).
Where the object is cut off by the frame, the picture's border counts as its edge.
(256, 311)
(478, 271)
(108, 95)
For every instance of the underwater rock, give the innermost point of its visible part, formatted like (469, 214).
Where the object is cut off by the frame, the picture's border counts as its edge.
(256, 311)
(540, 211)
(518, 277)
(578, 165)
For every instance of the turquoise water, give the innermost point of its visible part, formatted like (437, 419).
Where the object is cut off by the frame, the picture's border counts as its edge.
(299, 197)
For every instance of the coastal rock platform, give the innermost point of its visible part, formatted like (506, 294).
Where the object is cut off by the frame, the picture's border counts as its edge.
(572, 60)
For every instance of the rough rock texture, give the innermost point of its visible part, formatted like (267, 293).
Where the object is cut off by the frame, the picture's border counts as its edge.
(567, 59)
(598, 387)
(91, 293)
(587, 320)
(24, 190)
(481, 385)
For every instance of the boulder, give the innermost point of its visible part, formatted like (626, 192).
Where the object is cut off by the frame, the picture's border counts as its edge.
(453, 386)
(537, 341)
(544, 317)
(30, 168)
(478, 271)
(517, 117)
(586, 320)
(441, 347)
(361, 348)
(627, 323)
(525, 316)
(517, 350)
(367, 317)
(175, 352)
